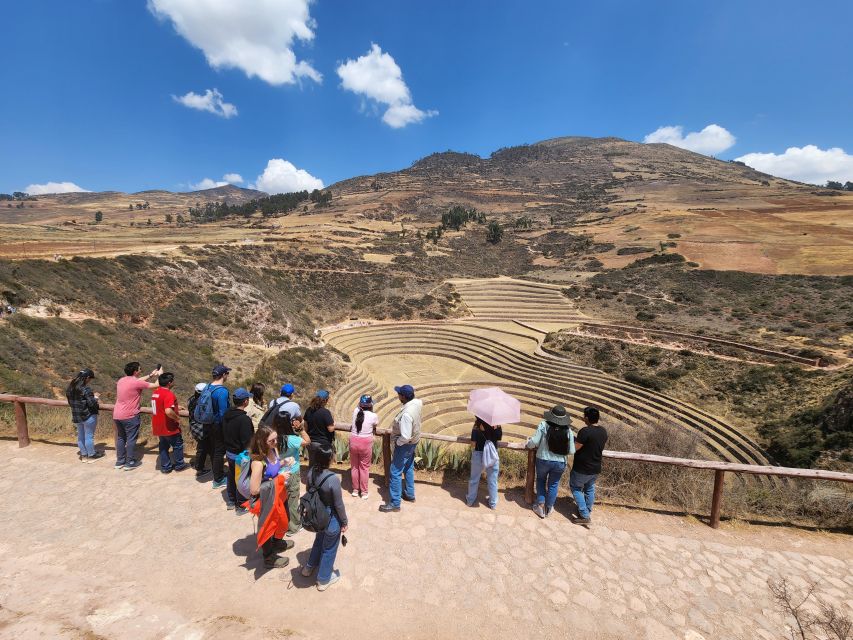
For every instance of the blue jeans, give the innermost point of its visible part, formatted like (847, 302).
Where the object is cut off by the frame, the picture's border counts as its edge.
(176, 443)
(548, 473)
(583, 489)
(474, 482)
(86, 435)
(402, 462)
(325, 549)
(127, 431)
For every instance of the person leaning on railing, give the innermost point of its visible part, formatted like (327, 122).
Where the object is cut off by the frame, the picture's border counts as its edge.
(84, 413)
(554, 442)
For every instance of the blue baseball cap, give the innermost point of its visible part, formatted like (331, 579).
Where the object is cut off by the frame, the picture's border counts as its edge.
(322, 394)
(220, 370)
(287, 389)
(241, 394)
(407, 391)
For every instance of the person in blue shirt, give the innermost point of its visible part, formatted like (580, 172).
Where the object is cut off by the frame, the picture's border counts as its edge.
(221, 403)
(554, 442)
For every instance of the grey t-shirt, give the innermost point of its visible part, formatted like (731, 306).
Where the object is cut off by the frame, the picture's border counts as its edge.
(289, 405)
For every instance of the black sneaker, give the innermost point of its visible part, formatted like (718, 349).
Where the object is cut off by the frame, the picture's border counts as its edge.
(408, 499)
(582, 520)
(388, 508)
(133, 464)
(181, 467)
(165, 471)
(96, 455)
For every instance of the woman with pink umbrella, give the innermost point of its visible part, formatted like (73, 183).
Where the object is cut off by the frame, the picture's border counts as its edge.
(491, 407)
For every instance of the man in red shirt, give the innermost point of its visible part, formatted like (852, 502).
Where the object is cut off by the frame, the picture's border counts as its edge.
(165, 422)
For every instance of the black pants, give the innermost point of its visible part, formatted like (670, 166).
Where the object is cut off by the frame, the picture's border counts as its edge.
(234, 496)
(204, 449)
(218, 461)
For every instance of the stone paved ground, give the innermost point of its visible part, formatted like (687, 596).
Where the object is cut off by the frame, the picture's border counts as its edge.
(89, 552)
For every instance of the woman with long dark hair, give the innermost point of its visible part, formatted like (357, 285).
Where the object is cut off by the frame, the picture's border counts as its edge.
(84, 413)
(256, 407)
(326, 542)
(292, 438)
(319, 421)
(364, 423)
(481, 460)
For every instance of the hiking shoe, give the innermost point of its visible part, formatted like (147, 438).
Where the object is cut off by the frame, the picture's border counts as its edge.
(388, 508)
(290, 534)
(306, 571)
(284, 545)
(97, 455)
(408, 498)
(133, 464)
(322, 586)
(201, 474)
(218, 484)
(230, 506)
(354, 493)
(582, 520)
(240, 511)
(169, 470)
(275, 562)
(538, 510)
(182, 467)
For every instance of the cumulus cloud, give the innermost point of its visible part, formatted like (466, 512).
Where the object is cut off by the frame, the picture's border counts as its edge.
(211, 101)
(806, 164)
(54, 187)
(207, 183)
(377, 77)
(280, 176)
(710, 140)
(255, 36)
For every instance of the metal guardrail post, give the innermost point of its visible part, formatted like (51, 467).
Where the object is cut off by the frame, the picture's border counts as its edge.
(21, 424)
(717, 498)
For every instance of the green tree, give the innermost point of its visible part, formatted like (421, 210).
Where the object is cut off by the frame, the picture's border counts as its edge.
(180, 219)
(130, 206)
(494, 232)
(99, 216)
(848, 185)
(168, 218)
(832, 184)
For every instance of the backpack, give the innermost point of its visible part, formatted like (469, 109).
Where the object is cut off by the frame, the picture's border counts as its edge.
(558, 439)
(204, 411)
(312, 511)
(196, 428)
(242, 473)
(269, 416)
(490, 454)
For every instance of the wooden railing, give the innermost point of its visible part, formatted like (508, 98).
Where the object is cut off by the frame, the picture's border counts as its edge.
(719, 468)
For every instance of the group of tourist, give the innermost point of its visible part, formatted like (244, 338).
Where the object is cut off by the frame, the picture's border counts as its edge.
(262, 445)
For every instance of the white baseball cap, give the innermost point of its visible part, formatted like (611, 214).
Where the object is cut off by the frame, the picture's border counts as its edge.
(201, 386)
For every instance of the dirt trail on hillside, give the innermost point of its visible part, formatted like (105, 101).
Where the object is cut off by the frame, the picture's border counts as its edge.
(117, 554)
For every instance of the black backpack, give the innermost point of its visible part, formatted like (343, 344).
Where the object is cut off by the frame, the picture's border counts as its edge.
(558, 439)
(269, 417)
(312, 511)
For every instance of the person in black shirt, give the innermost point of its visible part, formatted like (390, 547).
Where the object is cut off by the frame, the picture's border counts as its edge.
(481, 434)
(589, 444)
(319, 421)
(237, 432)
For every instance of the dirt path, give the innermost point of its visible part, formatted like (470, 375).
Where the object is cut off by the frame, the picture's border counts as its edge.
(86, 551)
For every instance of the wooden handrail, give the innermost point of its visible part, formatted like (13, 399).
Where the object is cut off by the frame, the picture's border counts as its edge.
(719, 468)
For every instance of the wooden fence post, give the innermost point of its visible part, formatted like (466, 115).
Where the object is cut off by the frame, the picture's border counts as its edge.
(21, 424)
(717, 499)
(530, 478)
(386, 457)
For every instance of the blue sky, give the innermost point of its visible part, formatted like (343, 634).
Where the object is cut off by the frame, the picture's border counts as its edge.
(90, 86)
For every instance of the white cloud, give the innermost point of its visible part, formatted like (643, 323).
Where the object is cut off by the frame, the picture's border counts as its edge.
(281, 176)
(712, 139)
(806, 164)
(377, 77)
(54, 187)
(233, 178)
(206, 183)
(211, 101)
(255, 36)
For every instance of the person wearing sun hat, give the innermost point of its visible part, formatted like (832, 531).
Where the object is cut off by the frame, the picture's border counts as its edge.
(554, 442)
(405, 434)
(364, 423)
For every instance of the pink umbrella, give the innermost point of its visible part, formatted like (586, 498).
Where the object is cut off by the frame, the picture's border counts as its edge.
(495, 406)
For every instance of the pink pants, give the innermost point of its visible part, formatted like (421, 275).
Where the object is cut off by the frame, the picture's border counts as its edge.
(360, 453)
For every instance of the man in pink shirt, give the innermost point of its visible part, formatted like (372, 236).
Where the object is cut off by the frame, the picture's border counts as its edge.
(126, 413)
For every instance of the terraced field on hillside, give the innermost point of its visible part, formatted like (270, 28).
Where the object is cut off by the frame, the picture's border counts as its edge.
(445, 360)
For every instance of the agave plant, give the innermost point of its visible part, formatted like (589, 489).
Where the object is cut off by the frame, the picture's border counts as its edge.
(459, 459)
(341, 449)
(376, 454)
(429, 454)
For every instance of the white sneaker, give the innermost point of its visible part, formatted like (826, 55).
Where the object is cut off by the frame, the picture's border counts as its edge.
(354, 493)
(364, 496)
(336, 575)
